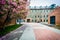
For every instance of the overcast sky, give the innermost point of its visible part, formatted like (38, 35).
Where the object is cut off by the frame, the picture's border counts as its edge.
(44, 2)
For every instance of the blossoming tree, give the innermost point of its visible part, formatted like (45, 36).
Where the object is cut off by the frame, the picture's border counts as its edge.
(10, 9)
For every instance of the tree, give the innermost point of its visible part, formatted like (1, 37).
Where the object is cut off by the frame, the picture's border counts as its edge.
(53, 6)
(23, 11)
(10, 8)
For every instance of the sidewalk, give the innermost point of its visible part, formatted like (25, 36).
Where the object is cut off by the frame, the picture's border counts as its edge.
(14, 35)
(33, 31)
(28, 34)
(46, 23)
(37, 31)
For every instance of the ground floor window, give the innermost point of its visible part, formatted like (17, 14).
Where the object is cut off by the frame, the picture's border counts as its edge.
(46, 20)
(35, 20)
(41, 20)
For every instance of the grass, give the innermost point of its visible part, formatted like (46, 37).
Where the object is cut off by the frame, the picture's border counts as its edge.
(9, 29)
(58, 27)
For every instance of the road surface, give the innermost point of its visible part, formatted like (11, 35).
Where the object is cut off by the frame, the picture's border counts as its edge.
(37, 31)
(33, 31)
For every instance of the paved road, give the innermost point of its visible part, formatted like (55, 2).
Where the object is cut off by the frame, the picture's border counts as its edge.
(33, 31)
(37, 31)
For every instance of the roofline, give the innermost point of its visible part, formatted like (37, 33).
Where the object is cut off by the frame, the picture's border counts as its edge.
(42, 9)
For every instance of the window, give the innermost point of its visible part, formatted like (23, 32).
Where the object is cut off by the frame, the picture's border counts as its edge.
(47, 15)
(24, 20)
(44, 15)
(46, 10)
(46, 20)
(41, 20)
(35, 20)
(38, 16)
(35, 16)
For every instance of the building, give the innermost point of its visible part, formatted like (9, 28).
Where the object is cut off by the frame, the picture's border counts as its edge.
(38, 14)
(54, 17)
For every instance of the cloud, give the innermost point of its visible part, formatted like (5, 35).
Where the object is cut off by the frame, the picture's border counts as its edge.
(44, 2)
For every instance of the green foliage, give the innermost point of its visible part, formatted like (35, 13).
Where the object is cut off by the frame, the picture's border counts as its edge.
(9, 29)
(53, 6)
(58, 27)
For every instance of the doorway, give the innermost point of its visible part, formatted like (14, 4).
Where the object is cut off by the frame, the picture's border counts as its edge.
(28, 20)
(52, 20)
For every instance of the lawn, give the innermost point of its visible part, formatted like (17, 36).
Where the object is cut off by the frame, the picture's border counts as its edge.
(9, 29)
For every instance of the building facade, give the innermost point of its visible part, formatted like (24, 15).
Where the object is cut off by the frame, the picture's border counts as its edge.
(38, 14)
(54, 17)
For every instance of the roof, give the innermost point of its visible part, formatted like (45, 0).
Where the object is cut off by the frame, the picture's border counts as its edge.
(40, 7)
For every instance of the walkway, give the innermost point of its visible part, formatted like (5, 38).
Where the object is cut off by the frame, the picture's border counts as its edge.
(33, 31)
(14, 35)
(37, 31)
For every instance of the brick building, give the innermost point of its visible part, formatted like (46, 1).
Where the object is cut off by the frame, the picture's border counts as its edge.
(54, 17)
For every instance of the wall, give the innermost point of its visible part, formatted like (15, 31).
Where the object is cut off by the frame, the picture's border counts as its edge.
(42, 13)
(55, 13)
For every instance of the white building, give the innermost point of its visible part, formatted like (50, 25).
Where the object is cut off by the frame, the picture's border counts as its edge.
(38, 14)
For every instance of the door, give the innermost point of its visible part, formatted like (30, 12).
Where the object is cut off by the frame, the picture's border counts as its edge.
(28, 20)
(52, 20)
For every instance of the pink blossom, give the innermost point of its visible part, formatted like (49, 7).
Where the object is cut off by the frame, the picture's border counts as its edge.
(14, 10)
(19, 7)
(14, 3)
(2, 1)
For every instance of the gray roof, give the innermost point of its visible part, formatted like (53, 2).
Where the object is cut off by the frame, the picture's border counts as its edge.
(40, 7)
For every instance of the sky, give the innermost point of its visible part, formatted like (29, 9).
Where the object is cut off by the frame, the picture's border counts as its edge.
(44, 2)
